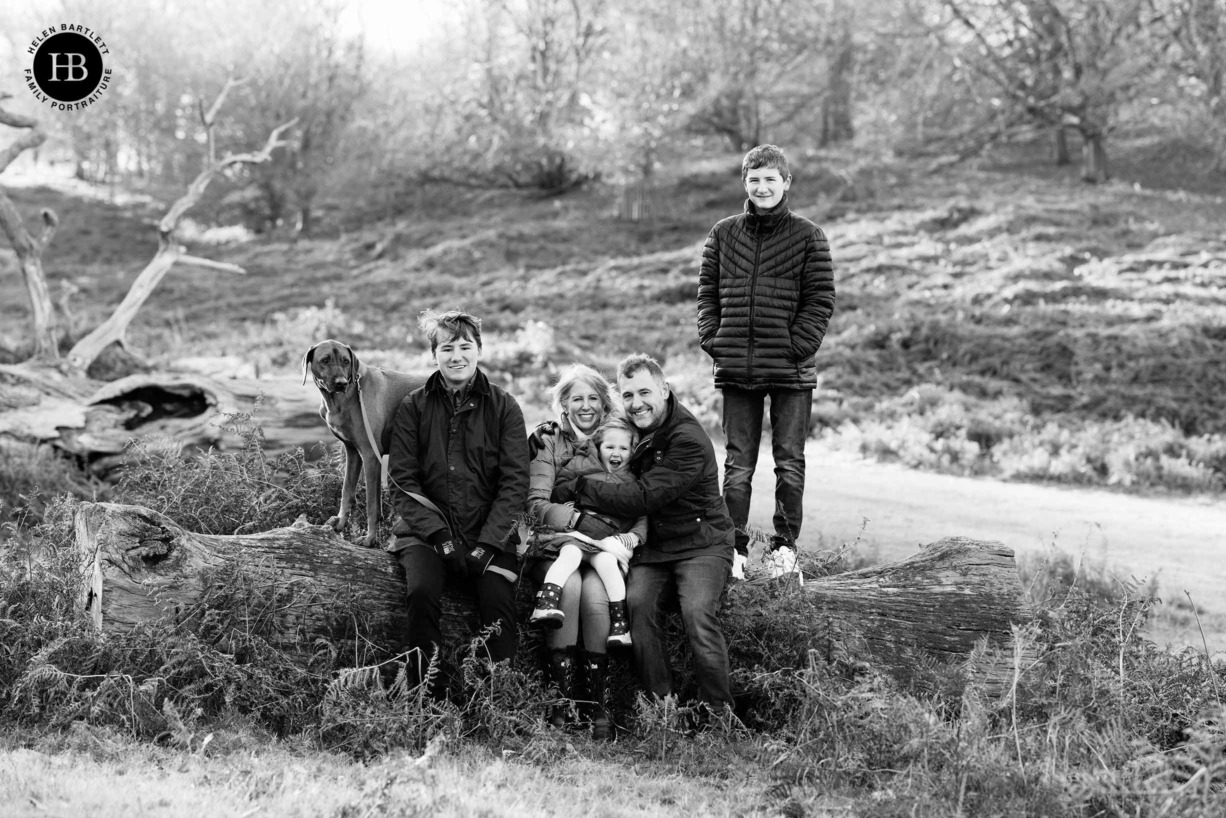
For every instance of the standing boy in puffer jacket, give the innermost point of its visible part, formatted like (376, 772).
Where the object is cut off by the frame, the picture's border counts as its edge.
(765, 297)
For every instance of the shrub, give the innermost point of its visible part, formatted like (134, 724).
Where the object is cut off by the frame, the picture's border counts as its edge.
(30, 476)
(934, 428)
(218, 492)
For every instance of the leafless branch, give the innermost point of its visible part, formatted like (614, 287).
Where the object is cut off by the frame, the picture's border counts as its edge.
(209, 264)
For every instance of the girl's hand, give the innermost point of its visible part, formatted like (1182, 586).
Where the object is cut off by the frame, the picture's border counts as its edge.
(617, 548)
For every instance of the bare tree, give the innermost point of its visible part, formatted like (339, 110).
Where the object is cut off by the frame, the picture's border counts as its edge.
(315, 75)
(528, 106)
(753, 67)
(1197, 31)
(114, 329)
(1059, 63)
(29, 249)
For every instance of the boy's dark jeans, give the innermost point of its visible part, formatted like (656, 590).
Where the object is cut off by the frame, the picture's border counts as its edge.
(425, 574)
(790, 410)
(697, 584)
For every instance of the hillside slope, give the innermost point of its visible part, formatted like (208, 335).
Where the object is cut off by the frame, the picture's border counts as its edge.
(990, 320)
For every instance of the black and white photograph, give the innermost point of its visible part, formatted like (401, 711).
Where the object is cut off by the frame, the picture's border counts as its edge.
(736, 408)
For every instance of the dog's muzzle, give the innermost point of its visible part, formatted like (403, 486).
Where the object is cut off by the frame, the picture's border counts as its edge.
(336, 387)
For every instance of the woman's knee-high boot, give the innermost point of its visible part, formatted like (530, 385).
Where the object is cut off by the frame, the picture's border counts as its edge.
(597, 667)
(561, 671)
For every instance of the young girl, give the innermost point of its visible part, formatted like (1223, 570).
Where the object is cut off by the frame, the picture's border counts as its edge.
(615, 441)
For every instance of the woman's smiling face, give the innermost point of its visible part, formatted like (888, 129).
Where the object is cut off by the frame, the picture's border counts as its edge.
(584, 408)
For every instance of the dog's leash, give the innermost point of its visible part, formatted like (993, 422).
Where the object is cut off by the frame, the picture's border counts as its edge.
(425, 501)
(370, 437)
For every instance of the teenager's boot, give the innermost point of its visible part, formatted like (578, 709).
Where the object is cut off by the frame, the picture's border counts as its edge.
(619, 625)
(597, 667)
(547, 612)
(561, 671)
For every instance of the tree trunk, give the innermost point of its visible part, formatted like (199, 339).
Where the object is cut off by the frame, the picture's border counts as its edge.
(29, 250)
(637, 202)
(1093, 158)
(96, 422)
(836, 104)
(29, 257)
(140, 566)
(1060, 151)
(939, 603)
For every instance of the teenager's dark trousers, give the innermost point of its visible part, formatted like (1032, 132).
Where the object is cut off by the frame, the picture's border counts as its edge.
(425, 574)
(790, 410)
(696, 583)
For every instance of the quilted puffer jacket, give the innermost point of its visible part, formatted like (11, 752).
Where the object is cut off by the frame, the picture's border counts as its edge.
(765, 297)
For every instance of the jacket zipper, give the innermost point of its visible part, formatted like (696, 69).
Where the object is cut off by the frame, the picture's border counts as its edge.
(753, 296)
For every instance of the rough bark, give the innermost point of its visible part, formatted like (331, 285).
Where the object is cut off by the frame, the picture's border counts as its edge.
(29, 249)
(938, 604)
(141, 566)
(95, 422)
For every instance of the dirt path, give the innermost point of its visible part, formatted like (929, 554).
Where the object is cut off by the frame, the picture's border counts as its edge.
(1180, 541)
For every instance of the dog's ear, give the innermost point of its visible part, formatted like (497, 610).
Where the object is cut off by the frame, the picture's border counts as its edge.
(353, 361)
(306, 362)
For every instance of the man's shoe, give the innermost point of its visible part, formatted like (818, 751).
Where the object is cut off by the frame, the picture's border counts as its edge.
(738, 565)
(783, 561)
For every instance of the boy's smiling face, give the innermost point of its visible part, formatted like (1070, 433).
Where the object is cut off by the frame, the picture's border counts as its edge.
(766, 186)
(457, 360)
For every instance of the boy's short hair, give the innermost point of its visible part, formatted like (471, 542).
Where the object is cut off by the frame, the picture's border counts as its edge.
(617, 423)
(765, 156)
(443, 327)
(582, 374)
(632, 364)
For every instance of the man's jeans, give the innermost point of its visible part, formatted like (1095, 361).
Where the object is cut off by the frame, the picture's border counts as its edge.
(425, 574)
(789, 414)
(697, 584)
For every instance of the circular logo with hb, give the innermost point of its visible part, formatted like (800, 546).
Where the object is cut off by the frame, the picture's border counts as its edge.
(68, 66)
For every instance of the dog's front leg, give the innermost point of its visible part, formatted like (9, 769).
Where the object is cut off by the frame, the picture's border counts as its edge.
(349, 487)
(372, 466)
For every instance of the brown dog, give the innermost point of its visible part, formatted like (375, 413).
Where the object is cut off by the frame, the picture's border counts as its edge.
(353, 395)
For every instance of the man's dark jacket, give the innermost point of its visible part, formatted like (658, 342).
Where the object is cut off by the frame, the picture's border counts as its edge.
(471, 461)
(765, 297)
(677, 490)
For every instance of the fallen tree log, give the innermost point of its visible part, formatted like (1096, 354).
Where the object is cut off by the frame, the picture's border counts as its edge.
(95, 421)
(934, 608)
(140, 566)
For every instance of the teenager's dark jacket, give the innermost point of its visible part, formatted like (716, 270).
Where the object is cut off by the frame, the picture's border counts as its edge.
(677, 489)
(470, 461)
(765, 297)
